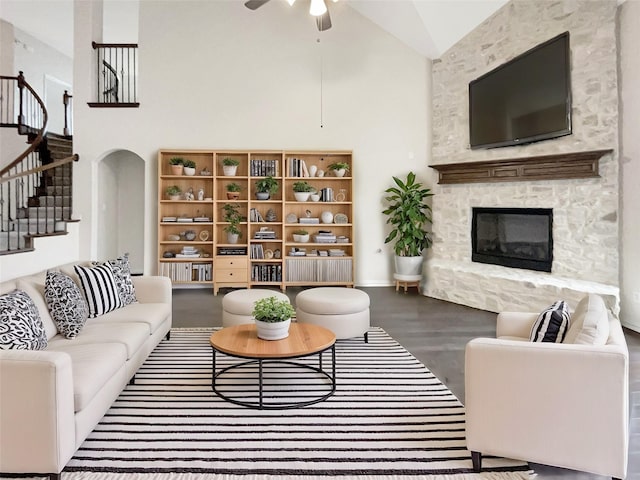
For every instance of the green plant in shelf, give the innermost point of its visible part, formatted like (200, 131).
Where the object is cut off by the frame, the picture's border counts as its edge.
(272, 310)
(230, 162)
(302, 187)
(233, 187)
(233, 229)
(339, 166)
(176, 161)
(267, 185)
(173, 190)
(189, 163)
(301, 232)
(232, 215)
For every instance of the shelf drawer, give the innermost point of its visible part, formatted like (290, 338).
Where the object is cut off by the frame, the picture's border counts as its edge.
(231, 275)
(232, 263)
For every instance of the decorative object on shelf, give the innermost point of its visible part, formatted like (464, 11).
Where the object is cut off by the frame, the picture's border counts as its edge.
(265, 187)
(189, 196)
(268, 254)
(301, 236)
(230, 166)
(277, 253)
(326, 217)
(271, 216)
(292, 218)
(190, 235)
(313, 170)
(302, 190)
(201, 194)
(189, 167)
(233, 191)
(314, 197)
(205, 172)
(340, 218)
(408, 214)
(272, 317)
(173, 238)
(177, 167)
(339, 169)
(320, 173)
(168, 255)
(326, 194)
(307, 213)
(342, 195)
(173, 192)
(203, 235)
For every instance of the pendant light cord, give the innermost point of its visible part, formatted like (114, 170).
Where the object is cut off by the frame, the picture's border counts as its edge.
(321, 86)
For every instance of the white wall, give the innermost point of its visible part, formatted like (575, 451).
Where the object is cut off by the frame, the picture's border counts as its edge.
(629, 79)
(216, 75)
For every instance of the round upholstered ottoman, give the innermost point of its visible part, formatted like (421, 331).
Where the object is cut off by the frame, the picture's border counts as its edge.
(344, 311)
(238, 305)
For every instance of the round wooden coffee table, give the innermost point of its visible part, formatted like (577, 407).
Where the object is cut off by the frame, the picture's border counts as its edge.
(241, 341)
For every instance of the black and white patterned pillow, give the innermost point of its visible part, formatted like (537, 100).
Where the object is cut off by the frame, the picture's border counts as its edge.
(100, 290)
(66, 303)
(122, 274)
(552, 324)
(21, 327)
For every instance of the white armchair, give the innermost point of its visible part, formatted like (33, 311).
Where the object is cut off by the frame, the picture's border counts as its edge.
(558, 404)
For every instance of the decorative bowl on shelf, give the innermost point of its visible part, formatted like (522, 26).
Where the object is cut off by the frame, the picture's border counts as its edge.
(300, 238)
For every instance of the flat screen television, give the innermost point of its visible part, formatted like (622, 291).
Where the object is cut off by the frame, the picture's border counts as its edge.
(525, 100)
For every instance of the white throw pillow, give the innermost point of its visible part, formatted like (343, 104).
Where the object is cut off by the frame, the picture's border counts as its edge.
(590, 322)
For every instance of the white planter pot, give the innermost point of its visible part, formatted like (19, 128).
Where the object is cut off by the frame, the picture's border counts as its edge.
(273, 331)
(229, 170)
(340, 172)
(232, 237)
(189, 171)
(300, 238)
(262, 195)
(409, 265)
(175, 197)
(301, 196)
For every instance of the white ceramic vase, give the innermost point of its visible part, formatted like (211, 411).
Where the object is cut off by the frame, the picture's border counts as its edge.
(229, 170)
(301, 196)
(190, 171)
(232, 237)
(273, 330)
(326, 217)
(312, 170)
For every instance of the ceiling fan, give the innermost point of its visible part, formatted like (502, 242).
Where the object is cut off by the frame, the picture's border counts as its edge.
(318, 9)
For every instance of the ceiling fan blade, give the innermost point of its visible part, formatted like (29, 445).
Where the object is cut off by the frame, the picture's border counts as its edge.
(324, 21)
(254, 4)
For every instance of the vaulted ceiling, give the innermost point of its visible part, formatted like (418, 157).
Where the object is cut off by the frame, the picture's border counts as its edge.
(428, 26)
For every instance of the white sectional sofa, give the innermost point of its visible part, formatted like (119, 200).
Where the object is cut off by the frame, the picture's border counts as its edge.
(51, 399)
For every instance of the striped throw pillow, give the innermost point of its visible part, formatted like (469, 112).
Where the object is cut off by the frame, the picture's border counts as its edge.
(552, 324)
(100, 290)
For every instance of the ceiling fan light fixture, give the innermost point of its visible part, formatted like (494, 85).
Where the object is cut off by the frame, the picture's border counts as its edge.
(317, 8)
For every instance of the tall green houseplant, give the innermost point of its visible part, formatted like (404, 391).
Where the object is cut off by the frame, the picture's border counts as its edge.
(409, 215)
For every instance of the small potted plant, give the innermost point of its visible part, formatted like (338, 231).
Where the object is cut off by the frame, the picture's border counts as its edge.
(233, 191)
(339, 169)
(189, 167)
(232, 215)
(302, 191)
(265, 187)
(173, 192)
(301, 236)
(230, 166)
(177, 165)
(272, 317)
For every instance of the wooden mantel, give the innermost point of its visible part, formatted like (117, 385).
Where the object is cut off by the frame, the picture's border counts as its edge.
(544, 167)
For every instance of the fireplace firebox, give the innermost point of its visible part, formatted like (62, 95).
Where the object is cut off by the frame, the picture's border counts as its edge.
(513, 237)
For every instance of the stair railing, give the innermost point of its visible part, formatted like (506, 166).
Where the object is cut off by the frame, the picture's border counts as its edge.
(117, 75)
(20, 108)
(68, 118)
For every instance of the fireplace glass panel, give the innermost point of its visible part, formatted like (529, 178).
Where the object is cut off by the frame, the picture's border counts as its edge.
(513, 237)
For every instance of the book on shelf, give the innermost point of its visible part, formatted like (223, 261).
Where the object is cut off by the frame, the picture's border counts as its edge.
(309, 220)
(263, 168)
(232, 250)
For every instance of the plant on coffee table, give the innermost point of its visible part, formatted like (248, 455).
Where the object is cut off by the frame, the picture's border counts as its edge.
(272, 317)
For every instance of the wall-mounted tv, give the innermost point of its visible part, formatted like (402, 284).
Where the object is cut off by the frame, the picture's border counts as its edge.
(525, 100)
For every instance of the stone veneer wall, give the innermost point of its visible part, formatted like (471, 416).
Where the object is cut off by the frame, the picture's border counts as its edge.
(585, 230)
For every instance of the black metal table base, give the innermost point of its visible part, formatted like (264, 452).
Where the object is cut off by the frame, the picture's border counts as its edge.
(263, 364)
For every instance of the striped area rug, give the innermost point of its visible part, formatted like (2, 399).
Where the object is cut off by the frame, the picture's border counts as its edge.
(390, 418)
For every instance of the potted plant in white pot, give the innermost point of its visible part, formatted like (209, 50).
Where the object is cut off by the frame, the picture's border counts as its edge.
(302, 191)
(177, 165)
(189, 167)
(230, 166)
(409, 215)
(300, 236)
(265, 187)
(173, 192)
(339, 169)
(232, 215)
(272, 317)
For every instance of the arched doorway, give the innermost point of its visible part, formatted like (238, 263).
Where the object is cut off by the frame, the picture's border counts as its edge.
(121, 207)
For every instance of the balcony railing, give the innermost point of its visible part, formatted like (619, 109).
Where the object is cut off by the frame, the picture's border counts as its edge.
(116, 75)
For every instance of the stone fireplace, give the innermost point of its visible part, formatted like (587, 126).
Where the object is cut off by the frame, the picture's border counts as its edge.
(585, 208)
